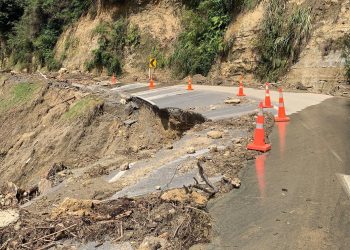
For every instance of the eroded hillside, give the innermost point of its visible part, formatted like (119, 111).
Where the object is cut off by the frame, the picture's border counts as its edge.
(186, 38)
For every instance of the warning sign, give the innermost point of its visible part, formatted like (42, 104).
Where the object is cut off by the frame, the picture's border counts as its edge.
(153, 63)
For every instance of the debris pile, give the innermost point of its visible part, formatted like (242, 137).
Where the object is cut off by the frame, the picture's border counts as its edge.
(174, 224)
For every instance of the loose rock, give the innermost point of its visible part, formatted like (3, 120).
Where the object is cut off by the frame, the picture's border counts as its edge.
(191, 150)
(124, 167)
(153, 243)
(236, 183)
(214, 134)
(233, 101)
(8, 217)
(213, 148)
(44, 186)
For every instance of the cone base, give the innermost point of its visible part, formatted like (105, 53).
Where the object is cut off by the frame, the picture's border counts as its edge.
(241, 95)
(263, 148)
(267, 107)
(190, 88)
(282, 119)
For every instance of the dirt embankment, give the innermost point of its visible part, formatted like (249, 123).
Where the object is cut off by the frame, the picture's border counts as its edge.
(45, 123)
(62, 139)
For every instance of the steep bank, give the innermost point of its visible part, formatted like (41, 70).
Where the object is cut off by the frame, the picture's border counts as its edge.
(321, 66)
(134, 31)
(43, 124)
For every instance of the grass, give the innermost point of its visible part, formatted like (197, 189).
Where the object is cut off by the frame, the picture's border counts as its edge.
(82, 107)
(113, 38)
(19, 94)
(202, 38)
(281, 39)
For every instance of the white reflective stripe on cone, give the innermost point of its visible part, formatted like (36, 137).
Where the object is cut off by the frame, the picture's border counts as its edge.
(259, 126)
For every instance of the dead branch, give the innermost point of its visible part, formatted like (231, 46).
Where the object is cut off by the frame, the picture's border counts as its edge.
(196, 209)
(205, 177)
(178, 227)
(5, 244)
(49, 235)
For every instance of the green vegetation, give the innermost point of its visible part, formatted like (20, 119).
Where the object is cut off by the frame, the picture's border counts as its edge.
(346, 55)
(281, 39)
(249, 4)
(82, 107)
(113, 37)
(30, 34)
(19, 94)
(202, 37)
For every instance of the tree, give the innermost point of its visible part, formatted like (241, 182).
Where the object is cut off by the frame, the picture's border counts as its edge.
(10, 12)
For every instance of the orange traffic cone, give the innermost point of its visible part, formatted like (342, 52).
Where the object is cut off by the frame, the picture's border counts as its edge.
(151, 84)
(114, 80)
(267, 103)
(240, 90)
(259, 135)
(281, 117)
(189, 85)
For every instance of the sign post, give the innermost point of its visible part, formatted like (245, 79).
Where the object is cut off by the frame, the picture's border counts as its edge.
(152, 65)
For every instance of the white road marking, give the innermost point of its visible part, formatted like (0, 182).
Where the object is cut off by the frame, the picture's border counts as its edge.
(167, 95)
(304, 124)
(336, 155)
(117, 177)
(130, 86)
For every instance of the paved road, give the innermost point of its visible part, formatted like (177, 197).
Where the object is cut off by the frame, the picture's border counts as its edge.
(291, 197)
(209, 100)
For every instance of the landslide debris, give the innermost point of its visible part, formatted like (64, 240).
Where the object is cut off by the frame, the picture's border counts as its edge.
(72, 135)
(133, 220)
(46, 123)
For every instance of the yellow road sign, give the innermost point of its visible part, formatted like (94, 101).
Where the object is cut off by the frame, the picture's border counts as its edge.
(153, 63)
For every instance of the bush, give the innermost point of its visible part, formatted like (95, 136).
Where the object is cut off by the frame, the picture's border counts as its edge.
(202, 37)
(34, 36)
(113, 37)
(281, 39)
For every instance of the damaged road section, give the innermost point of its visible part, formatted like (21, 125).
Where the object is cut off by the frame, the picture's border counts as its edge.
(89, 166)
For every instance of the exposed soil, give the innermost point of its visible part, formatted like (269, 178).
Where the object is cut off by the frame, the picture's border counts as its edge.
(62, 137)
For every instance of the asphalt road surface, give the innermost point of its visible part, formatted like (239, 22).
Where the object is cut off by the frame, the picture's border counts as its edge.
(209, 100)
(291, 197)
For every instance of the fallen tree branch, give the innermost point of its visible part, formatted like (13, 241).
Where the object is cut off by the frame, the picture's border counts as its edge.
(205, 177)
(49, 235)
